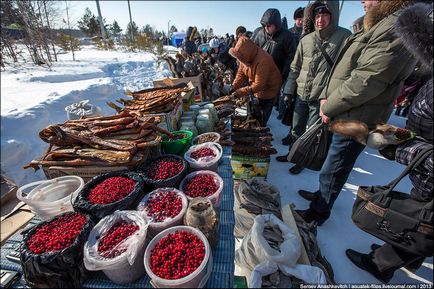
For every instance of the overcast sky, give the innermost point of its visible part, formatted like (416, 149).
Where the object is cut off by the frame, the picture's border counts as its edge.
(222, 16)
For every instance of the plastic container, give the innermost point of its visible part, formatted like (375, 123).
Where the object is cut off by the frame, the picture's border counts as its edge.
(157, 227)
(190, 126)
(128, 266)
(177, 147)
(195, 108)
(197, 279)
(190, 114)
(205, 163)
(212, 111)
(203, 124)
(53, 197)
(171, 182)
(215, 198)
(208, 136)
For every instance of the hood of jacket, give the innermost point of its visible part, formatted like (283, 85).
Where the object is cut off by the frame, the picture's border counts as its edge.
(333, 7)
(382, 10)
(245, 50)
(415, 28)
(272, 16)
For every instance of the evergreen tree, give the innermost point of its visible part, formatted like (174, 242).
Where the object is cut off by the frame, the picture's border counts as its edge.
(115, 29)
(89, 23)
(132, 28)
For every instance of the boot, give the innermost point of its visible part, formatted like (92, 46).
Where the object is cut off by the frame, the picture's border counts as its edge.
(309, 216)
(295, 170)
(412, 267)
(364, 262)
(286, 141)
(310, 196)
(282, 159)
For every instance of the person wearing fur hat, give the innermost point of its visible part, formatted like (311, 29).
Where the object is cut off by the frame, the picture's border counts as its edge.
(259, 70)
(310, 69)
(416, 31)
(367, 77)
(297, 29)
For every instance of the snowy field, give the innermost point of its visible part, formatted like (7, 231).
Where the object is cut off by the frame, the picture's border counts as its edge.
(35, 97)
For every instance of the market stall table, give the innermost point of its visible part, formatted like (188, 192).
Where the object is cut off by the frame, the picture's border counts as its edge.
(222, 275)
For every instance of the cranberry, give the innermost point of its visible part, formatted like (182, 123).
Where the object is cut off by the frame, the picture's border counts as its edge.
(177, 255)
(165, 168)
(163, 205)
(201, 153)
(115, 235)
(200, 186)
(57, 235)
(111, 190)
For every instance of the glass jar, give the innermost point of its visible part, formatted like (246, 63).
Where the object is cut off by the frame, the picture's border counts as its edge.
(186, 118)
(190, 126)
(195, 108)
(203, 124)
(212, 111)
(190, 114)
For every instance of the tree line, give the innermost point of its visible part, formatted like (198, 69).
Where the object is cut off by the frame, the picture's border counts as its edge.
(42, 27)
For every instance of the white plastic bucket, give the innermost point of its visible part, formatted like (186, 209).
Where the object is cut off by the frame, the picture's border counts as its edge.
(157, 227)
(128, 266)
(215, 198)
(206, 163)
(49, 198)
(197, 279)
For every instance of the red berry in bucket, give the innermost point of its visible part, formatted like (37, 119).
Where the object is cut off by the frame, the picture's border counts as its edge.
(200, 186)
(163, 205)
(177, 255)
(202, 152)
(111, 190)
(58, 234)
(115, 235)
(165, 168)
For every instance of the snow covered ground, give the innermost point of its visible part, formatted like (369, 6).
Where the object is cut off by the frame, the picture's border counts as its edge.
(34, 97)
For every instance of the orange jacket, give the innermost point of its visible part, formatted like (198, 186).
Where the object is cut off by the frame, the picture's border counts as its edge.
(258, 67)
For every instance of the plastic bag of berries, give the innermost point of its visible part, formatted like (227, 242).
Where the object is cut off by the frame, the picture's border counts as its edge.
(52, 252)
(106, 193)
(204, 156)
(163, 208)
(206, 184)
(116, 245)
(165, 171)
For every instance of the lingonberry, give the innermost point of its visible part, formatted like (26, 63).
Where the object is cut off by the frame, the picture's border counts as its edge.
(163, 205)
(200, 186)
(58, 234)
(177, 255)
(165, 168)
(115, 235)
(202, 152)
(111, 190)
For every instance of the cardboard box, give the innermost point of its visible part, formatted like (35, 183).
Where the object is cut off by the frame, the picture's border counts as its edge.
(170, 120)
(195, 80)
(244, 167)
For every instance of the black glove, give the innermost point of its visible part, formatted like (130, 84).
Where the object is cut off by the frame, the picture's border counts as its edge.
(287, 98)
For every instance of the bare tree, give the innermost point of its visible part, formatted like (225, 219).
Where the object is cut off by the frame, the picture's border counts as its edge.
(69, 27)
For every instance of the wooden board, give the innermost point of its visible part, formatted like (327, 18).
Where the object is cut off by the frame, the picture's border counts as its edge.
(288, 218)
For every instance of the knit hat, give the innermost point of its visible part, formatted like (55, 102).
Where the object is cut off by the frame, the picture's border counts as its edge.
(321, 9)
(299, 12)
(214, 43)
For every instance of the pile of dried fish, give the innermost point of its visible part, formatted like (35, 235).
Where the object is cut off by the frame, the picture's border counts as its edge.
(152, 100)
(250, 139)
(108, 141)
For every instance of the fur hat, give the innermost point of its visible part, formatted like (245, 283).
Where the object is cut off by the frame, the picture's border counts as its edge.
(298, 13)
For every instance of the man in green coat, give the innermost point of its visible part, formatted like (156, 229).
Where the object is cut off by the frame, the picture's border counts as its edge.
(367, 77)
(311, 67)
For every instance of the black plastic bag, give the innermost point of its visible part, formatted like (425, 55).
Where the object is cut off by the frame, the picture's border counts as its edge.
(60, 269)
(99, 211)
(288, 113)
(310, 150)
(172, 182)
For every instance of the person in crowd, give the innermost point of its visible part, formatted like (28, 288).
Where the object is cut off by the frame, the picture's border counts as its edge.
(240, 31)
(310, 69)
(222, 52)
(284, 23)
(258, 69)
(368, 75)
(188, 44)
(297, 29)
(277, 41)
(417, 36)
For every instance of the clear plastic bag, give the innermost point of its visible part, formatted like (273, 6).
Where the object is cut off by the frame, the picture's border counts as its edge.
(204, 163)
(215, 198)
(82, 108)
(128, 266)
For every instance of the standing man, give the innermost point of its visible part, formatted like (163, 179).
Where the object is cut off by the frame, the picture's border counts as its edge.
(256, 68)
(311, 67)
(277, 41)
(368, 75)
(297, 29)
(222, 52)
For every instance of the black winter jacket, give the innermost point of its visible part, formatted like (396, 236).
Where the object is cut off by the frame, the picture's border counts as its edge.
(281, 46)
